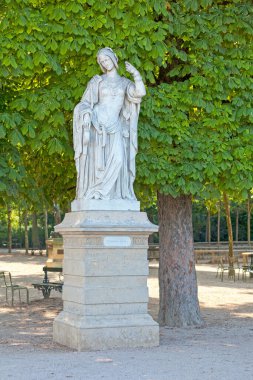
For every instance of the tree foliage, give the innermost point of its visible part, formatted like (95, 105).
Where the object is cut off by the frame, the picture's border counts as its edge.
(48, 53)
(196, 131)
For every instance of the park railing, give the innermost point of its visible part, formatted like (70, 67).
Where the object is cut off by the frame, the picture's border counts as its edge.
(207, 252)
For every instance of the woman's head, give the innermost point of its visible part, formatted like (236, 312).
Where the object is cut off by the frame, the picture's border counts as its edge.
(106, 58)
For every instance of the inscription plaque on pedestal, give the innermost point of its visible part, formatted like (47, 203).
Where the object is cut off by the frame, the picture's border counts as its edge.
(117, 241)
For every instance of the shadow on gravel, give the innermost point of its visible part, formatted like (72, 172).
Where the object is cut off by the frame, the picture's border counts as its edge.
(30, 325)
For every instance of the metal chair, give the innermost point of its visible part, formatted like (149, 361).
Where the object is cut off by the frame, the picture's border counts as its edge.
(225, 266)
(245, 267)
(2, 283)
(6, 282)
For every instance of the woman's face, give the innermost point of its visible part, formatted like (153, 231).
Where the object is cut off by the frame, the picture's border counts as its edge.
(106, 62)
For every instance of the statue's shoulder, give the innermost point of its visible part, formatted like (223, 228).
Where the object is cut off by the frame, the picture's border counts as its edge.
(126, 81)
(96, 79)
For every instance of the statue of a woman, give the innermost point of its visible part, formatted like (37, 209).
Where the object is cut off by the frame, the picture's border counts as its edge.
(105, 132)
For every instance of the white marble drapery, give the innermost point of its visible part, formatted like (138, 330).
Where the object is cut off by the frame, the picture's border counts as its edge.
(105, 152)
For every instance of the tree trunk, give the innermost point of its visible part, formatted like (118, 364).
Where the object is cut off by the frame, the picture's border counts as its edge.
(46, 226)
(218, 226)
(208, 226)
(57, 214)
(35, 232)
(177, 276)
(248, 218)
(230, 231)
(26, 233)
(237, 225)
(19, 227)
(9, 228)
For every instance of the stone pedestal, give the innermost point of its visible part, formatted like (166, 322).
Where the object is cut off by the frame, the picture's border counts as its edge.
(105, 281)
(54, 252)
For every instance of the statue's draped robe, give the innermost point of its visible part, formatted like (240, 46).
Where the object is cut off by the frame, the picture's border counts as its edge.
(105, 152)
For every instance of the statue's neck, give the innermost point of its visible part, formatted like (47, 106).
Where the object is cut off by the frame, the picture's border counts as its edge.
(112, 73)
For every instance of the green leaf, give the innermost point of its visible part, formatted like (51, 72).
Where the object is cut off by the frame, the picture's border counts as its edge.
(19, 104)
(16, 138)
(2, 131)
(39, 57)
(54, 146)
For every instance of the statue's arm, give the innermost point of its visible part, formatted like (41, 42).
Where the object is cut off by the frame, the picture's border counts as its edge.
(137, 89)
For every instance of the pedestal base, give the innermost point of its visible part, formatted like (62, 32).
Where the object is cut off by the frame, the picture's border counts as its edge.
(105, 281)
(95, 333)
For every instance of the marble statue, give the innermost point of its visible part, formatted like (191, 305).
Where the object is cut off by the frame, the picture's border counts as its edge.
(102, 309)
(105, 132)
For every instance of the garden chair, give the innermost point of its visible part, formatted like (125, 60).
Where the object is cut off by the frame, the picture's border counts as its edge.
(245, 267)
(2, 282)
(6, 282)
(224, 266)
(220, 267)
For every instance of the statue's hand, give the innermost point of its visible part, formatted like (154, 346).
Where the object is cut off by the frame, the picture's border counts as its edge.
(131, 69)
(86, 120)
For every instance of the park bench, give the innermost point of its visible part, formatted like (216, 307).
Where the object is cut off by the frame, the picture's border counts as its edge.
(46, 286)
(35, 250)
(14, 244)
(51, 269)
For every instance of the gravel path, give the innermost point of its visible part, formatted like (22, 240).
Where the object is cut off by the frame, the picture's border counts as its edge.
(222, 349)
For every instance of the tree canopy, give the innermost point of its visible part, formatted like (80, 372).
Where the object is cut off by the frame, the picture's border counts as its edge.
(48, 53)
(196, 130)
